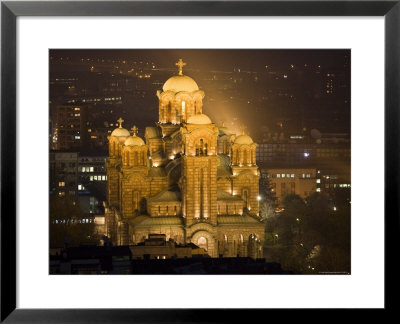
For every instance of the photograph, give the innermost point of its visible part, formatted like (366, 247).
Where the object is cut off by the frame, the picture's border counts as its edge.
(199, 161)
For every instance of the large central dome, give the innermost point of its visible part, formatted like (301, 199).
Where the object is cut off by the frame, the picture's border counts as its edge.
(180, 83)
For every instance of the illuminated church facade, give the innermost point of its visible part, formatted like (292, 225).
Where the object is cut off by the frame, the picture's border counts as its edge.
(188, 179)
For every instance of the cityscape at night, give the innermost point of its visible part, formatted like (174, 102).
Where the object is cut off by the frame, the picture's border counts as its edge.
(199, 161)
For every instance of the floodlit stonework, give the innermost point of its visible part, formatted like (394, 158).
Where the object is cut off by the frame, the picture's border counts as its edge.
(188, 179)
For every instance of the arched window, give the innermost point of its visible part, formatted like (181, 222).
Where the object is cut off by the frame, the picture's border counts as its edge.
(169, 112)
(245, 198)
(201, 146)
(184, 109)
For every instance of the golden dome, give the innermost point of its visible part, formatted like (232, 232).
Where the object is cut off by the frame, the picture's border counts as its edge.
(199, 119)
(243, 139)
(120, 131)
(180, 83)
(134, 141)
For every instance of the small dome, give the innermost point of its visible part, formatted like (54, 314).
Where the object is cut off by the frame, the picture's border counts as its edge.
(179, 83)
(134, 141)
(199, 119)
(118, 132)
(243, 139)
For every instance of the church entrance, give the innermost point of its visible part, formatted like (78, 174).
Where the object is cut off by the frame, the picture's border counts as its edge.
(202, 243)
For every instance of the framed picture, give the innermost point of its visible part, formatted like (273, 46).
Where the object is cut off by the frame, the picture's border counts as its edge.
(372, 37)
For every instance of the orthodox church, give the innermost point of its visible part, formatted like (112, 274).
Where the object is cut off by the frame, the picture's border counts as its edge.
(188, 179)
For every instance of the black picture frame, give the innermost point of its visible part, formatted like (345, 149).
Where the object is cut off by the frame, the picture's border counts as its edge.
(10, 10)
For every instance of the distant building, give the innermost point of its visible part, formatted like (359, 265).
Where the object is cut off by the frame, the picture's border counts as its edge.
(92, 260)
(156, 247)
(63, 173)
(118, 260)
(285, 181)
(71, 131)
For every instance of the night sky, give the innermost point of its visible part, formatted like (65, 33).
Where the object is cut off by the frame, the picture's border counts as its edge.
(226, 59)
(261, 105)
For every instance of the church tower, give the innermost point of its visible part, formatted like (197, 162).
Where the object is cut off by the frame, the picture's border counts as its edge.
(179, 99)
(199, 170)
(115, 143)
(245, 171)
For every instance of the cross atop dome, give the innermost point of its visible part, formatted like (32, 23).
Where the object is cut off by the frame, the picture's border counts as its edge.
(120, 121)
(243, 128)
(134, 130)
(180, 64)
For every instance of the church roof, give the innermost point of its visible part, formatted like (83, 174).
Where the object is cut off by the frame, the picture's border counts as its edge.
(199, 119)
(134, 141)
(156, 221)
(224, 131)
(165, 196)
(152, 132)
(222, 195)
(120, 131)
(237, 220)
(243, 139)
(179, 83)
(157, 172)
(224, 167)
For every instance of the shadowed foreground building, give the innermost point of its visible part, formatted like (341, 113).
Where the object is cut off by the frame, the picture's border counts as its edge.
(189, 179)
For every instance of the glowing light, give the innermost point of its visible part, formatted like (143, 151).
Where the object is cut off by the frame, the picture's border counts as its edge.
(306, 154)
(258, 198)
(155, 165)
(334, 208)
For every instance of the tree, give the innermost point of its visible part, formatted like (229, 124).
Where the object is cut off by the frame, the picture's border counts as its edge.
(266, 191)
(314, 234)
(67, 222)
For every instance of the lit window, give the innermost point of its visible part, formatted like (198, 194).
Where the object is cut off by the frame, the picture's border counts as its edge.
(183, 107)
(76, 137)
(103, 178)
(282, 175)
(61, 184)
(91, 178)
(278, 175)
(308, 175)
(95, 177)
(91, 169)
(292, 175)
(318, 180)
(288, 176)
(79, 187)
(318, 189)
